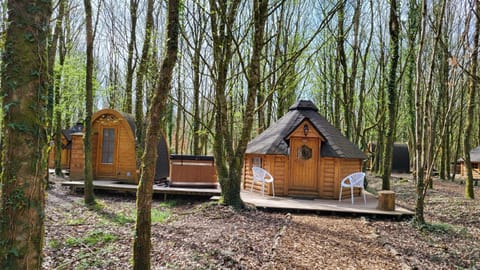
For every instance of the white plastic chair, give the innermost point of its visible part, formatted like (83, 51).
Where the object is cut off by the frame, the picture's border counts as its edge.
(261, 175)
(352, 181)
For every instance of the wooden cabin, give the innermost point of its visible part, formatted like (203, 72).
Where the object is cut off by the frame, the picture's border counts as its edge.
(66, 140)
(306, 155)
(113, 149)
(475, 160)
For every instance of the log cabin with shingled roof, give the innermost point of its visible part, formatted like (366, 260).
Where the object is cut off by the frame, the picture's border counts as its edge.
(307, 156)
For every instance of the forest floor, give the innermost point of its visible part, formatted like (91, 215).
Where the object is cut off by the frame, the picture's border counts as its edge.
(193, 233)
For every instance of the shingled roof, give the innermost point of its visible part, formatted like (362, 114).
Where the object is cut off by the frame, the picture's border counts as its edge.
(274, 139)
(475, 154)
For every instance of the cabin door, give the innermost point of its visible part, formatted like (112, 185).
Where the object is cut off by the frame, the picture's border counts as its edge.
(303, 166)
(106, 152)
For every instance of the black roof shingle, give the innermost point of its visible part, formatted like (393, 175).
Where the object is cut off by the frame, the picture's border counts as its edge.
(274, 139)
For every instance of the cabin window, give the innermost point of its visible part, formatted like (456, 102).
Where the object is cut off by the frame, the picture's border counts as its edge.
(304, 152)
(475, 166)
(108, 144)
(257, 162)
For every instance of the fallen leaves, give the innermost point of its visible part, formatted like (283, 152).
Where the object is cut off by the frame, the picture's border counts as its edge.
(203, 235)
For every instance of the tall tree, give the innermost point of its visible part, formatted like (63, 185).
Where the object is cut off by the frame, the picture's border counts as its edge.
(52, 51)
(198, 37)
(130, 61)
(394, 28)
(142, 243)
(59, 41)
(222, 17)
(141, 73)
(472, 90)
(228, 158)
(424, 158)
(87, 140)
(412, 30)
(24, 91)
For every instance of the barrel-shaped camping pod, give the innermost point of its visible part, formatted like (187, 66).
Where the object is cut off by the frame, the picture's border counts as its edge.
(113, 149)
(113, 146)
(306, 155)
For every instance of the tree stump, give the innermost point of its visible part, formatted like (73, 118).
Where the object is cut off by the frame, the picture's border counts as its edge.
(386, 200)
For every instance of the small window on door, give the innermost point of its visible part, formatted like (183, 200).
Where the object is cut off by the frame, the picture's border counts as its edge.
(108, 144)
(257, 162)
(304, 152)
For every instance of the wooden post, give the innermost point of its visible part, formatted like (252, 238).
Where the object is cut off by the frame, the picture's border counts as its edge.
(386, 200)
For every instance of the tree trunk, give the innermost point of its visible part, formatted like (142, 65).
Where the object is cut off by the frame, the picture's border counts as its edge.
(412, 30)
(57, 86)
(392, 95)
(229, 160)
(142, 244)
(472, 90)
(87, 140)
(419, 147)
(222, 18)
(199, 37)
(130, 62)
(342, 64)
(354, 134)
(424, 148)
(142, 69)
(24, 161)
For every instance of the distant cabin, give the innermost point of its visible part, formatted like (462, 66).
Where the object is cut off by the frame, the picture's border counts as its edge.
(113, 149)
(66, 141)
(475, 160)
(400, 157)
(306, 155)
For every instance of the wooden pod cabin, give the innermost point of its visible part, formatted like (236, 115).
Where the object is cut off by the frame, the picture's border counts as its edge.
(306, 155)
(113, 149)
(400, 157)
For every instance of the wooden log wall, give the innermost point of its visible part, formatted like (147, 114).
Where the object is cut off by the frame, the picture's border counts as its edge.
(348, 166)
(77, 161)
(475, 170)
(276, 165)
(66, 153)
(331, 172)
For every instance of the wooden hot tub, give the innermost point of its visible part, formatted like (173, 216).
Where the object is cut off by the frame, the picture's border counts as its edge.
(189, 170)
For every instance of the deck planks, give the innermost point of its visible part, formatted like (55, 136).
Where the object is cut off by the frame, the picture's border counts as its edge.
(322, 205)
(263, 202)
(118, 186)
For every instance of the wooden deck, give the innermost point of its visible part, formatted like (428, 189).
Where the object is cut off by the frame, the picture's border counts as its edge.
(320, 205)
(118, 186)
(261, 202)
